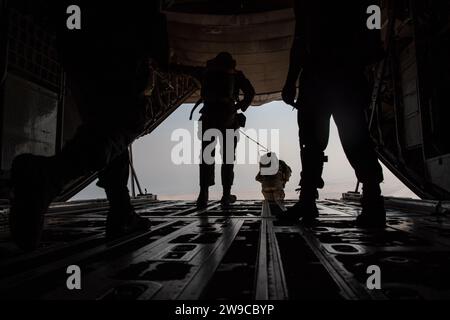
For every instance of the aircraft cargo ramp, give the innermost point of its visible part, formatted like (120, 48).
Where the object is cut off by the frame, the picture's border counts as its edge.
(190, 254)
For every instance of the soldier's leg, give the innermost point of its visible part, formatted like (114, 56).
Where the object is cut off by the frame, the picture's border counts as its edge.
(358, 146)
(229, 141)
(314, 130)
(114, 179)
(360, 151)
(121, 217)
(314, 122)
(36, 181)
(207, 166)
(92, 149)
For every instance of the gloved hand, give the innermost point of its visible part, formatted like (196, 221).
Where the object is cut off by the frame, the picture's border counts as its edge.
(288, 94)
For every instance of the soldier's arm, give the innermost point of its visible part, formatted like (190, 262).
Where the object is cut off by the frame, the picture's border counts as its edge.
(295, 59)
(298, 53)
(248, 91)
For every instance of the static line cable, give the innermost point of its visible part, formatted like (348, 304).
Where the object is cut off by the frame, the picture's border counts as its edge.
(255, 141)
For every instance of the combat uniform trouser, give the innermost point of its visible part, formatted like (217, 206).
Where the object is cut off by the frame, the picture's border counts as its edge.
(343, 95)
(109, 94)
(228, 154)
(114, 179)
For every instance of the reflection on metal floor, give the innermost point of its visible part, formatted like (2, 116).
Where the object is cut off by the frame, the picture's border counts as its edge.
(243, 253)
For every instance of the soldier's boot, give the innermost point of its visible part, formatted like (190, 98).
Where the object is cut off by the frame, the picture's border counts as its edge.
(305, 209)
(125, 224)
(122, 219)
(373, 213)
(227, 199)
(203, 197)
(35, 183)
(311, 180)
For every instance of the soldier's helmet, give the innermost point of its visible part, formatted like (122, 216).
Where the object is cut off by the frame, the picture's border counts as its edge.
(267, 160)
(225, 60)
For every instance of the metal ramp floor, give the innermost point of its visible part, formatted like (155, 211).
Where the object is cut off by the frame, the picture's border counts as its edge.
(243, 253)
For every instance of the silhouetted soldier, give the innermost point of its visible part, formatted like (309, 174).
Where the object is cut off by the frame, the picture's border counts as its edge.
(221, 87)
(107, 68)
(273, 184)
(331, 49)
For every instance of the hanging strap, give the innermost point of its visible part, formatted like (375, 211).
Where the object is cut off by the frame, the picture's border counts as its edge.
(251, 139)
(199, 102)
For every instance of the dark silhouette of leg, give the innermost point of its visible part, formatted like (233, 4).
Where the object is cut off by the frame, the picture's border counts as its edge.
(116, 117)
(359, 148)
(207, 170)
(314, 123)
(357, 144)
(314, 130)
(122, 219)
(228, 153)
